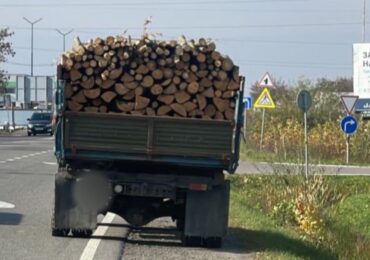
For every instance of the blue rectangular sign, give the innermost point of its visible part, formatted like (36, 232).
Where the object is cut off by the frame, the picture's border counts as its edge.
(362, 105)
(248, 103)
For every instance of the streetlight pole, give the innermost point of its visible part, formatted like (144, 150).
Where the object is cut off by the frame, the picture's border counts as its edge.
(32, 23)
(64, 37)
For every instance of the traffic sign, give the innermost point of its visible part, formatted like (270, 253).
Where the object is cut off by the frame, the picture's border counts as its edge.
(266, 81)
(362, 104)
(304, 100)
(349, 125)
(264, 100)
(248, 103)
(349, 102)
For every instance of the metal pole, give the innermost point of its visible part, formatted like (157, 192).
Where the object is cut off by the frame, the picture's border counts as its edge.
(347, 149)
(364, 23)
(262, 128)
(31, 49)
(305, 144)
(245, 124)
(13, 116)
(64, 37)
(32, 23)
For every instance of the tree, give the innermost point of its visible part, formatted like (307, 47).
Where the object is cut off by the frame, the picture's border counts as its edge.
(5, 51)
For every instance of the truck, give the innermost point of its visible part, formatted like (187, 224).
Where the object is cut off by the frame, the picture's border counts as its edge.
(144, 167)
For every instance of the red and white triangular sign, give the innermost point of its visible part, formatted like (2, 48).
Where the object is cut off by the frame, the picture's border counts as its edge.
(266, 81)
(349, 102)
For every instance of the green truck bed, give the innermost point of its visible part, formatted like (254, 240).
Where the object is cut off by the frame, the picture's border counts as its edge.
(166, 140)
(179, 141)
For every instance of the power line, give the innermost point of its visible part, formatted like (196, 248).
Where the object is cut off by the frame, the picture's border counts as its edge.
(27, 65)
(292, 65)
(152, 3)
(85, 29)
(35, 49)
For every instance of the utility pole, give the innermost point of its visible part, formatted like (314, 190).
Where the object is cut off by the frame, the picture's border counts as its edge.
(64, 37)
(364, 23)
(32, 23)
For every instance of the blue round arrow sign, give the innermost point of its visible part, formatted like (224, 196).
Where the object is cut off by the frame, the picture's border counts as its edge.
(349, 125)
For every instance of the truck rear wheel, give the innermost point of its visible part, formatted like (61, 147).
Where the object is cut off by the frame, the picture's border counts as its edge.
(57, 232)
(191, 241)
(82, 232)
(213, 242)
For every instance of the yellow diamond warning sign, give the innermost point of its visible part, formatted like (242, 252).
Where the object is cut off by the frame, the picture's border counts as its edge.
(264, 100)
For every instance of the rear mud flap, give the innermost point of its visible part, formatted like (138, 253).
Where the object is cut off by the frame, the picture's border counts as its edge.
(207, 212)
(72, 212)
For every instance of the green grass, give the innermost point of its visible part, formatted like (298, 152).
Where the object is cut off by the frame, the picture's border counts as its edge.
(262, 235)
(354, 212)
(346, 233)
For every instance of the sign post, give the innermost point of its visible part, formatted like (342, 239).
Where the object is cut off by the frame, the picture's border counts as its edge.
(304, 102)
(247, 106)
(264, 101)
(348, 123)
(349, 126)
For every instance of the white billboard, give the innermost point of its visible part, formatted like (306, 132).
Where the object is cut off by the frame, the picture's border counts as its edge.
(361, 69)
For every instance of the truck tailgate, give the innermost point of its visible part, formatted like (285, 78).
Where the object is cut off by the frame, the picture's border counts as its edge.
(148, 137)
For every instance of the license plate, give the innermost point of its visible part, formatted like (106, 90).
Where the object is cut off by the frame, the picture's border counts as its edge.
(39, 129)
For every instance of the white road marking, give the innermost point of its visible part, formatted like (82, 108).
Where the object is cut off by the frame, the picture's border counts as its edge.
(6, 205)
(92, 245)
(25, 156)
(50, 163)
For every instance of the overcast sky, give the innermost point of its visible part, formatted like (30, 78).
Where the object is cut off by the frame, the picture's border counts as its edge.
(288, 38)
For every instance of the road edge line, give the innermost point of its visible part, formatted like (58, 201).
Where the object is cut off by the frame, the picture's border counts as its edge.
(92, 245)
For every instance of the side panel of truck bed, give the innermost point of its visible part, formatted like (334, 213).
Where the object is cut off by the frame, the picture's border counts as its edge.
(128, 136)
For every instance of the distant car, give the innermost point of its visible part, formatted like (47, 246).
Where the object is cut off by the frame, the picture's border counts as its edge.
(40, 123)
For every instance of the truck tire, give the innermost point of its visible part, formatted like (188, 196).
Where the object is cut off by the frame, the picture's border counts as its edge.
(83, 233)
(191, 241)
(57, 232)
(213, 242)
(180, 224)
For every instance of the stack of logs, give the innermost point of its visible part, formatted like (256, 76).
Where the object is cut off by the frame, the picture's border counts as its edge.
(147, 77)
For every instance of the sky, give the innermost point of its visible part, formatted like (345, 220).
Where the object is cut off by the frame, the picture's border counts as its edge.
(290, 39)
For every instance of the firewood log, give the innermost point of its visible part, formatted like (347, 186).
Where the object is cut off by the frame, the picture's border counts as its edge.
(179, 109)
(163, 110)
(141, 102)
(181, 97)
(121, 89)
(189, 106)
(202, 101)
(92, 93)
(74, 106)
(79, 97)
(108, 96)
(125, 106)
(156, 89)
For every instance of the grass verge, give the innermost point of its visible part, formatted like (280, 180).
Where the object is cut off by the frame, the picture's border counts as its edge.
(276, 222)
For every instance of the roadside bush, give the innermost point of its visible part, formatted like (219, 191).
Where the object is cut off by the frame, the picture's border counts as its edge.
(331, 212)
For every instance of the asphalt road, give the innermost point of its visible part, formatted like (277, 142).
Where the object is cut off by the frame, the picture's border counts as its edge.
(27, 168)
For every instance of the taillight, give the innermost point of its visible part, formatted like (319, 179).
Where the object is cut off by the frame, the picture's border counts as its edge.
(198, 186)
